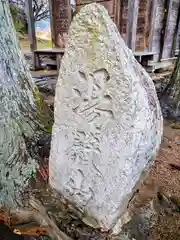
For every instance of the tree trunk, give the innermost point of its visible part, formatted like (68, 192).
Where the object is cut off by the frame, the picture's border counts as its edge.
(24, 120)
(19, 124)
(170, 99)
(27, 203)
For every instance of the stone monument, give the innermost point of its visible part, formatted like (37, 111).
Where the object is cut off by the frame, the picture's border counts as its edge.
(108, 122)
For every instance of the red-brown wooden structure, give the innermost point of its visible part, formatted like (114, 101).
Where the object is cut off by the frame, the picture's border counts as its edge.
(151, 28)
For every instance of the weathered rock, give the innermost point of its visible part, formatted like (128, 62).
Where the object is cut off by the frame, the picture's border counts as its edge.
(108, 122)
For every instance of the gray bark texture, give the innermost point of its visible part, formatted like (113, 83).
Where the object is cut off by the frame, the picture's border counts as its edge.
(170, 99)
(18, 114)
(24, 119)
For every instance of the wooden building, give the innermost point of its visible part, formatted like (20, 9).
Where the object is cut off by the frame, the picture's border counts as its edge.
(151, 28)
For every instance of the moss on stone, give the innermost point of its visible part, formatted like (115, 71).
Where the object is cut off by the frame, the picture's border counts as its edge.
(45, 116)
(94, 31)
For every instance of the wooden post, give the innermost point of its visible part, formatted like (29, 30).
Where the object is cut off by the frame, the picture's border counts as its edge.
(117, 11)
(52, 23)
(176, 42)
(60, 15)
(173, 8)
(31, 26)
(121, 19)
(133, 7)
(32, 33)
(152, 27)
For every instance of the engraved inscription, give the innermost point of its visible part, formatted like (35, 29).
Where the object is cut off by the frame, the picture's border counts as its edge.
(79, 187)
(94, 105)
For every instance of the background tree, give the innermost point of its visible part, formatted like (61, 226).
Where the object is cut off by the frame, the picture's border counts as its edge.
(170, 99)
(19, 18)
(40, 8)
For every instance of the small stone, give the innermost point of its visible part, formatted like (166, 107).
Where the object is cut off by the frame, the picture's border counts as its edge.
(108, 122)
(177, 142)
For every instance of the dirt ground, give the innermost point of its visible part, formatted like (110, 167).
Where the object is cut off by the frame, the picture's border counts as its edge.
(163, 183)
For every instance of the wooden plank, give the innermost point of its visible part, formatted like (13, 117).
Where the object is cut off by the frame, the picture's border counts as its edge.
(50, 50)
(166, 12)
(123, 19)
(137, 53)
(152, 27)
(147, 24)
(176, 40)
(133, 6)
(117, 11)
(170, 28)
(44, 73)
(163, 64)
(157, 19)
(51, 23)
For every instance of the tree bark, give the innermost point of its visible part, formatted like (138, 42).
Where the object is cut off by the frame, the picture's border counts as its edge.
(19, 115)
(170, 98)
(23, 120)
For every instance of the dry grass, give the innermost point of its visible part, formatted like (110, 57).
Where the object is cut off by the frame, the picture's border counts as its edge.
(25, 44)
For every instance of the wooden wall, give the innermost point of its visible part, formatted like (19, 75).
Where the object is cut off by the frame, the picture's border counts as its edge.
(147, 26)
(156, 26)
(124, 19)
(170, 26)
(143, 25)
(177, 44)
(165, 29)
(157, 19)
(140, 22)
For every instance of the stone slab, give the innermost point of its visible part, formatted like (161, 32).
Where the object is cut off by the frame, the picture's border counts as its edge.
(108, 122)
